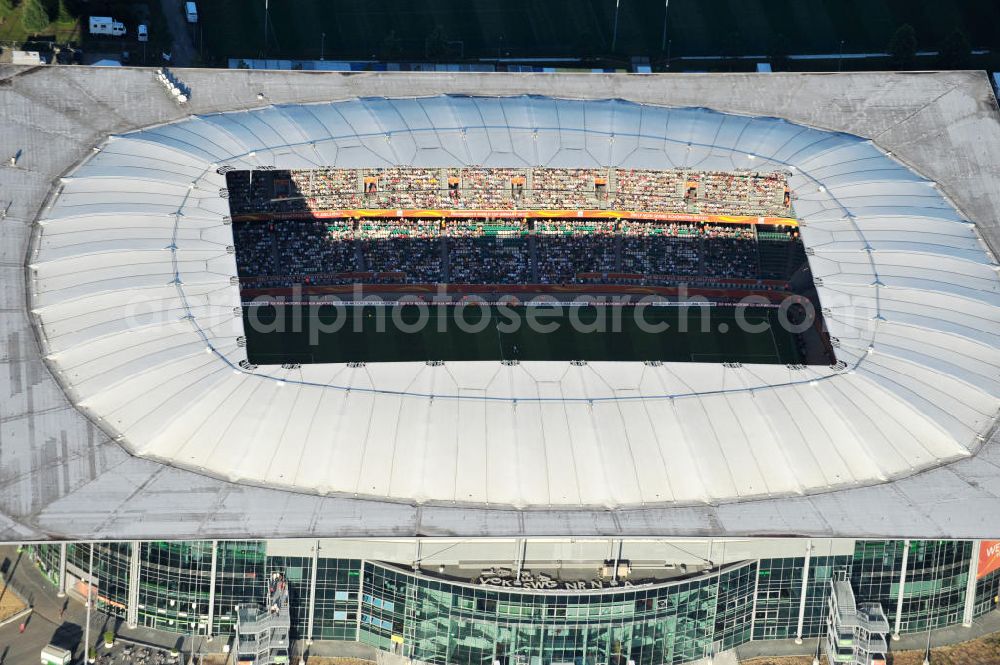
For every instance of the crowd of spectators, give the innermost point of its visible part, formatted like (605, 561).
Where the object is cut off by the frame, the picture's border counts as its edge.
(328, 189)
(562, 257)
(564, 188)
(474, 228)
(489, 260)
(477, 251)
(308, 248)
(390, 228)
(661, 255)
(739, 192)
(729, 256)
(255, 248)
(677, 190)
(639, 189)
(251, 192)
(406, 187)
(415, 260)
(568, 227)
(778, 254)
(488, 189)
(682, 229)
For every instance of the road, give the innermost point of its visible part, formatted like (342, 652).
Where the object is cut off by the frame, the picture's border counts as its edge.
(48, 622)
(180, 32)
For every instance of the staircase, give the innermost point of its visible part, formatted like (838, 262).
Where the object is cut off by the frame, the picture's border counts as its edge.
(359, 257)
(533, 253)
(445, 267)
(276, 253)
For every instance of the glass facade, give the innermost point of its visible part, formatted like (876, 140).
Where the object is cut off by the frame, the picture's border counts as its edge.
(779, 596)
(174, 580)
(779, 588)
(441, 621)
(337, 592)
(988, 593)
(937, 575)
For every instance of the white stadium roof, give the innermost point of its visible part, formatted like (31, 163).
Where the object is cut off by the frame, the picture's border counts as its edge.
(130, 286)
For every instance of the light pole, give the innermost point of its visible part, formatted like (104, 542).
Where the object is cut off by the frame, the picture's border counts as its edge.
(90, 588)
(322, 46)
(614, 31)
(663, 42)
(194, 629)
(931, 606)
(266, 11)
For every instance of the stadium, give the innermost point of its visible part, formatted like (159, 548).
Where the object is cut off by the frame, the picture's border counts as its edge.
(167, 260)
(151, 232)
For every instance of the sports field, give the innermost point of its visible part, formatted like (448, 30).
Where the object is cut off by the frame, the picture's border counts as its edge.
(328, 334)
(420, 30)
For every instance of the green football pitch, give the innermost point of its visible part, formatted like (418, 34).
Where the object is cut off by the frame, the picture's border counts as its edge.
(328, 334)
(472, 29)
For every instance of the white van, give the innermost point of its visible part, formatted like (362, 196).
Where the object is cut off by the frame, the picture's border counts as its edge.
(191, 11)
(142, 32)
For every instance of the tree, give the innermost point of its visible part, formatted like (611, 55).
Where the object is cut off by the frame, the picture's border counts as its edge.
(955, 51)
(586, 43)
(777, 51)
(7, 5)
(392, 47)
(65, 15)
(436, 45)
(903, 47)
(33, 16)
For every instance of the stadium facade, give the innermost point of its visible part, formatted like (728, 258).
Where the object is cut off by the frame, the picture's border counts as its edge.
(553, 601)
(129, 396)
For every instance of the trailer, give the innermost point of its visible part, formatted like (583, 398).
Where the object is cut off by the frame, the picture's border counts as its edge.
(53, 655)
(106, 25)
(27, 58)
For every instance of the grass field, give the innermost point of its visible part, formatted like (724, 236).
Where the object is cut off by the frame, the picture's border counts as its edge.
(372, 334)
(399, 29)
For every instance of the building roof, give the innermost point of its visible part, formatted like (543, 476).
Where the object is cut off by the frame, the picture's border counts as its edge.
(130, 285)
